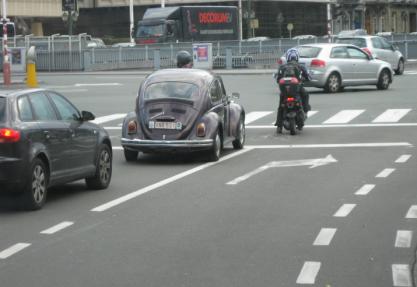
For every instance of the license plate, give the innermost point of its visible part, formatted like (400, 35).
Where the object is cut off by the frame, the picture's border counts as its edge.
(165, 125)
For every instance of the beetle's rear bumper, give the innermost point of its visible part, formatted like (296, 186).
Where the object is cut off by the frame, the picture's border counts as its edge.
(166, 145)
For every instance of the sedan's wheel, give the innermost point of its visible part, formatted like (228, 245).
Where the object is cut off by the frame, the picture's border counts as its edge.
(130, 155)
(101, 179)
(36, 188)
(333, 84)
(383, 80)
(400, 67)
(214, 153)
(240, 137)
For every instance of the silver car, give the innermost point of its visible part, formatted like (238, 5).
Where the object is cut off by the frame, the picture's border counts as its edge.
(334, 66)
(379, 48)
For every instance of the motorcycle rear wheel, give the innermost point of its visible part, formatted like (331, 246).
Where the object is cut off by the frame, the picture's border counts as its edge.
(292, 126)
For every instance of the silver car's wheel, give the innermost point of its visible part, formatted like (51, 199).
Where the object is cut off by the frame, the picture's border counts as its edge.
(36, 188)
(400, 67)
(383, 80)
(333, 83)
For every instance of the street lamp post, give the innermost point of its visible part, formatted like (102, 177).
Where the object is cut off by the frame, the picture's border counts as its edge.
(6, 61)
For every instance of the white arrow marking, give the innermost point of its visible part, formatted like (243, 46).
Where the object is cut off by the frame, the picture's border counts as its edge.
(302, 162)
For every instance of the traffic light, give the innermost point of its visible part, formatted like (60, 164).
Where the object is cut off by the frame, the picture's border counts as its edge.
(11, 31)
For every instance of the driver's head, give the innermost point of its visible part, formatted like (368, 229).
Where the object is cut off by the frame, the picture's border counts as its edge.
(184, 59)
(292, 56)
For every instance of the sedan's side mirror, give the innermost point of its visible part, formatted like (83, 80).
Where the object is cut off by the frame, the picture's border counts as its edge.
(87, 116)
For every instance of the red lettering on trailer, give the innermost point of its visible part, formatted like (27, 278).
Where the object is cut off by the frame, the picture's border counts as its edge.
(214, 17)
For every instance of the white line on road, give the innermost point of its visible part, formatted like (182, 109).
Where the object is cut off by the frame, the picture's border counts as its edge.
(309, 272)
(386, 172)
(404, 158)
(401, 275)
(311, 113)
(325, 236)
(13, 250)
(340, 126)
(164, 182)
(365, 189)
(71, 90)
(343, 117)
(98, 84)
(57, 227)
(403, 238)
(109, 118)
(391, 115)
(253, 116)
(412, 212)
(344, 210)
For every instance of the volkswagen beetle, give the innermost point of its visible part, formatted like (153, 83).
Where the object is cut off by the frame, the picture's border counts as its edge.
(183, 110)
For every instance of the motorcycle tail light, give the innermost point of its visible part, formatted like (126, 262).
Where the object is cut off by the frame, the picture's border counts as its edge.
(317, 63)
(9, 136)
(290, 99)
(132, 127)
(201, 130)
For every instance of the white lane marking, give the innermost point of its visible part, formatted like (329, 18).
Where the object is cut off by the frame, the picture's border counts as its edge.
(411, 73)
(253, 116)
(344, 210)
(124, 77)
(13, 250)
(412, 212)
(403, 238)
(166, 181)
(365, 189)
(385, 173)
(404, 158)
(98, 84)
(311, 113)
(71, 90)
(57, 227)
(343, 117)
(401, 275)
(325, 236)
(109, 118)
(340, 126)
(309, 272)
(391, 115)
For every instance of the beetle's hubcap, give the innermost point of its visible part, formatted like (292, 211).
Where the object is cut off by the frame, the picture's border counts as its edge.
(217, 145)
(38, 184)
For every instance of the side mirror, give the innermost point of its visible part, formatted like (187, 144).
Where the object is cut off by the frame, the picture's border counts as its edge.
(235, 95)
(87, 116)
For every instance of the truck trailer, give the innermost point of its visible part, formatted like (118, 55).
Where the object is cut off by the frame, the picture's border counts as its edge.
(188, 24)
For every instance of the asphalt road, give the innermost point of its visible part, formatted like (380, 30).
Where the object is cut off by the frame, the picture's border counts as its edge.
(335, 205)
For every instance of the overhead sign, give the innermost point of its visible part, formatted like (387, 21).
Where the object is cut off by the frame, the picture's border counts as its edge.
(69, 5)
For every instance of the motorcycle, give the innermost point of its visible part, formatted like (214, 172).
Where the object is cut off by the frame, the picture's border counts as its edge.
(293, 115)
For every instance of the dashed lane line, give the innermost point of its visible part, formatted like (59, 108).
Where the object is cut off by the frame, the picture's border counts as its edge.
(13, 250)
(385, 173)
(109, 118)
(253, 116)
(309, 272)
(97, 84)
(365, 189)
(391, 116)
(401, 275)
(403, 238)
(58, 227)
(344, 116)
(412, 212)
(325, 236)
(344, 210)
(404, 158)
(336, 126)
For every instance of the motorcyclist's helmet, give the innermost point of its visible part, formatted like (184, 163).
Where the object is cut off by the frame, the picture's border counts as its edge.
(292, 55)
(184, 59)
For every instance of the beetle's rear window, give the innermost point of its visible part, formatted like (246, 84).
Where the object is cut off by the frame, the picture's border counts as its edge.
(177, 90)
(2, 109)
(360, 42)
(308, 52)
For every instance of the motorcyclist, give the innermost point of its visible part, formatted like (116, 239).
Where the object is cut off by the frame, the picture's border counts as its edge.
(292, 69)
(184, 59)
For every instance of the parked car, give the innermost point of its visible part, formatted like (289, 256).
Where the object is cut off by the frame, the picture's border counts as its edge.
(95, 43)
(304, 37)
(380, 48)
(183, 110)
(350, 33)
(123, 45)
(334, 66)
(45, 141)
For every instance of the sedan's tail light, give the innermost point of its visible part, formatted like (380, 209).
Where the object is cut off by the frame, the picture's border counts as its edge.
(132, 127)
(317, 63)
(201, 130)
(9, 136)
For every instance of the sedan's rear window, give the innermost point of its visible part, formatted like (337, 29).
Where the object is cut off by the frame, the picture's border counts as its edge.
(360, 42)
(178, 90)
(308, 52)
(2, 109)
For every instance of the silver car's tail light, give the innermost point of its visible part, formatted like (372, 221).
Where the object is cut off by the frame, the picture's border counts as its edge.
(317, 63)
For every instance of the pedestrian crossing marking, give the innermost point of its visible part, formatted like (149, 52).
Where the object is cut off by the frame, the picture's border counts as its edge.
(253, 116)
(343, 117)
(391, 115)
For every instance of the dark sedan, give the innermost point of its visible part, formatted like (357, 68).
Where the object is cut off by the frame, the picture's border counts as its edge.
(45, 141)
(183, 110)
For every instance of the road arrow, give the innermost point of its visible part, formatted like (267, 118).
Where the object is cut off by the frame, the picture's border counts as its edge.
(312, 163)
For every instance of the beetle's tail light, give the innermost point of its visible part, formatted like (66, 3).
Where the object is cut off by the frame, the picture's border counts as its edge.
(9, 136)
(317, 63)
(132, 127)
(201, 130)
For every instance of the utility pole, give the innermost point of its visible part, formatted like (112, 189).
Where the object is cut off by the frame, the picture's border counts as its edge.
(131, 28)
(329, 22)
(6, 61)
